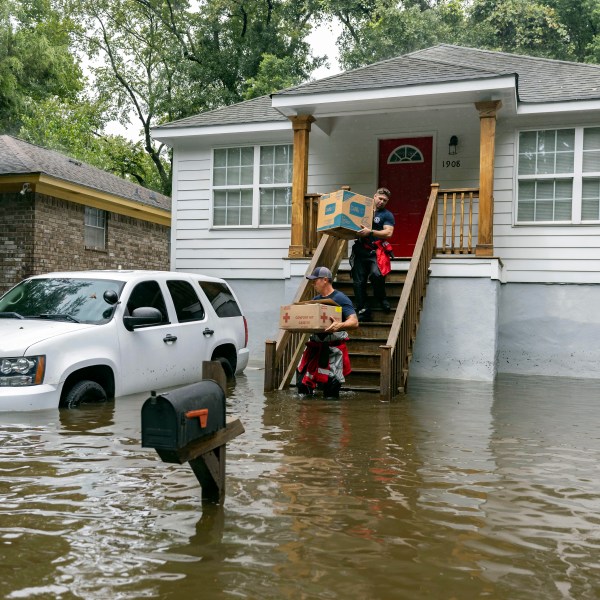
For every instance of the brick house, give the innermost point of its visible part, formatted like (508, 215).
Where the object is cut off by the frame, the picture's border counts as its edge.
(57, 213)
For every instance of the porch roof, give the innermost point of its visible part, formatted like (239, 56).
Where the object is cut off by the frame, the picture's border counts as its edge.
(442, 74)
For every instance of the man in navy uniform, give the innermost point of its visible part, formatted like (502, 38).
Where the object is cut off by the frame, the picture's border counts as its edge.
(370, 257)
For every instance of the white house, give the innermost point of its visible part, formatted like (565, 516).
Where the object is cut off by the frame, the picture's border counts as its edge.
(523, 132)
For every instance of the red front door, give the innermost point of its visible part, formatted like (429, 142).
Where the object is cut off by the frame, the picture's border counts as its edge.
(405, 169)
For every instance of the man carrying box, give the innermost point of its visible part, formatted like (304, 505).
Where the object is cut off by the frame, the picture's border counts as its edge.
(325, 361)
(370, 257)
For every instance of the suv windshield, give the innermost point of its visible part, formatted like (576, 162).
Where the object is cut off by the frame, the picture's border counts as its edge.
(80, 300)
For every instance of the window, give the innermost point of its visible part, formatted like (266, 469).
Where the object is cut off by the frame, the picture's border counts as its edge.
(559, 176)
(94, 228)
(221, 298)
(252, 186)
(147, 293)
(405, 154)
(187, 305)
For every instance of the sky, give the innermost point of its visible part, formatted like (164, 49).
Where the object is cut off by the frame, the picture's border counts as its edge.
(322, 40)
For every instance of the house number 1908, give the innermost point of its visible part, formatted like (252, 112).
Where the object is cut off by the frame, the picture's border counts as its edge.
(446, 164)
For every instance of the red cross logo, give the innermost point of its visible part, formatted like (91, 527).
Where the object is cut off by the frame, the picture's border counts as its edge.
(286, 317)
(324, 317)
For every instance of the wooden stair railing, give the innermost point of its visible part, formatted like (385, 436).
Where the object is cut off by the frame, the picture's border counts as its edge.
(456, 225)
(397, 352)
(283, 355)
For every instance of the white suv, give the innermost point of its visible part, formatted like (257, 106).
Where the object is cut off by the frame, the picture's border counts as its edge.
(68, 338)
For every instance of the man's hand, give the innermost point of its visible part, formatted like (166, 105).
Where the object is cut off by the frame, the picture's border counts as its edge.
(364, 232)
(335, 326)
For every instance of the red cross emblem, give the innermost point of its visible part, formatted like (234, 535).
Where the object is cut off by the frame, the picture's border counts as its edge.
(286, 317)
(324, 317)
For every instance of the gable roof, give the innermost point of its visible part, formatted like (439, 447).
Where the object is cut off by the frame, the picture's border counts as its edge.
(257, 110)
(18, 157)
(539, 80)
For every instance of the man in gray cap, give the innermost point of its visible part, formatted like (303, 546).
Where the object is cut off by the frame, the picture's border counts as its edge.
(325, 360)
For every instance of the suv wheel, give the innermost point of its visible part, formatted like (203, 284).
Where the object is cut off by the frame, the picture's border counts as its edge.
(84, 391)
(227, 368)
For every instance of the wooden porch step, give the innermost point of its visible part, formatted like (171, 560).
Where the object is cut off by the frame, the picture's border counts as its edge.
(371, 329)
(392, 290)
(363, 377)
(344, 276)
(365, 360)
(365, 345)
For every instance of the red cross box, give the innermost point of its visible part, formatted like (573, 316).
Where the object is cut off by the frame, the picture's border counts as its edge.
(311, 317)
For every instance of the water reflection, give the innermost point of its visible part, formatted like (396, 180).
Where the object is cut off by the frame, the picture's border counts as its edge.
(459, 490)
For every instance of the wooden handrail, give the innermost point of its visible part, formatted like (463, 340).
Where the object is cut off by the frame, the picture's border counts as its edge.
(282, 355)
(396, 353)
(310, 237)
(453, 203)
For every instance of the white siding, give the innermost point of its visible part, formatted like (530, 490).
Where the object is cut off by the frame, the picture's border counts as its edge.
(348, 155)
(538, 253)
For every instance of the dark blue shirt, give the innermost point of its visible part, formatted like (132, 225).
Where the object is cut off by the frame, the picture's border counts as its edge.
(383, 217)
(342, 300)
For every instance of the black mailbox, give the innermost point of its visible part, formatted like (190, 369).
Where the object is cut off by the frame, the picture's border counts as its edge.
(173, 420)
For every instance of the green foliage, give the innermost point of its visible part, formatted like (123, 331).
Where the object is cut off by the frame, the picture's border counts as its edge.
(75, 128)
(273, 74)
(35, 59)
(520, 26)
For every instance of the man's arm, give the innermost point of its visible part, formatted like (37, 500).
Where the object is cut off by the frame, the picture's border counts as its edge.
(384, 234)
(350, 323)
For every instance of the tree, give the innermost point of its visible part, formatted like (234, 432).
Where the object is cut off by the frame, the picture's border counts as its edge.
(581, 19)
(35, 59)
(161, 60)
(77, 128)
(379, 29)
(520, 26)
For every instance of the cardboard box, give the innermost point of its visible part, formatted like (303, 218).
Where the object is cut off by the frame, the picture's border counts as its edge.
(308, 317)
(343, 213)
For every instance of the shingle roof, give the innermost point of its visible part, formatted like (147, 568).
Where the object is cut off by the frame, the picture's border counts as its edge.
(539, 80)
(18, 157)
(394, 72)
(258, 110)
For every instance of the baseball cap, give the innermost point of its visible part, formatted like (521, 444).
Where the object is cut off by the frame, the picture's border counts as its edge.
(320, 272)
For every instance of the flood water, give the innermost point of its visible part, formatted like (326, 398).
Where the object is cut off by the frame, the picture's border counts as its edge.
(459, 490)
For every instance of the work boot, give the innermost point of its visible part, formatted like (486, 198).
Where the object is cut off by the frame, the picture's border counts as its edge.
(385, 306)
(364, 314)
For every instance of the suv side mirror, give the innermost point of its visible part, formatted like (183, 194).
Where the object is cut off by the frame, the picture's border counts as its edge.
(144, 315)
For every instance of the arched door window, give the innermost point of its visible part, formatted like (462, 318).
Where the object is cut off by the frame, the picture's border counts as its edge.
(405, 154)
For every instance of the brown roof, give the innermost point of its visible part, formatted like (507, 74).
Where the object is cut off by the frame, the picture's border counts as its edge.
(18, 157)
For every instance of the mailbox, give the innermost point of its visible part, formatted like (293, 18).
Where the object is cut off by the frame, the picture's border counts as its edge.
(173, 420)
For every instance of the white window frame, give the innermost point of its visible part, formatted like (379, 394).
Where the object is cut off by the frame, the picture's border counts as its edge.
(577, 177)
(97, 213)
(255, 187)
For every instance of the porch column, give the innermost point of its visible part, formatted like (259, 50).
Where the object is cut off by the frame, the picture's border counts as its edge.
(487, 139)
(301, 126)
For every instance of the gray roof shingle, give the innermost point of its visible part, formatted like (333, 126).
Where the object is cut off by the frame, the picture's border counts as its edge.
(394, 72)
(539, 80)
(18, 157)
(258, 110)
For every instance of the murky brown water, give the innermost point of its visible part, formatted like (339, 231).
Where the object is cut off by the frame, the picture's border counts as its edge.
(460, 490)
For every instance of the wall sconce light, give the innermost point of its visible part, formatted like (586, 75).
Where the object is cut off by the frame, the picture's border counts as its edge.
(26, 188)
(453, 145)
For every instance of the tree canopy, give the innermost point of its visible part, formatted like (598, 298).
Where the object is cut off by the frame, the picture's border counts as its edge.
(155, 61)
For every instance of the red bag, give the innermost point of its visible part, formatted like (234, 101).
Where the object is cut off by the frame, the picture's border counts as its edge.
(383, 260)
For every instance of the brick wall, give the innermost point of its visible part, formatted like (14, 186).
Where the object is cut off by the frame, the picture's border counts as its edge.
(54, 241)
(16, 238)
